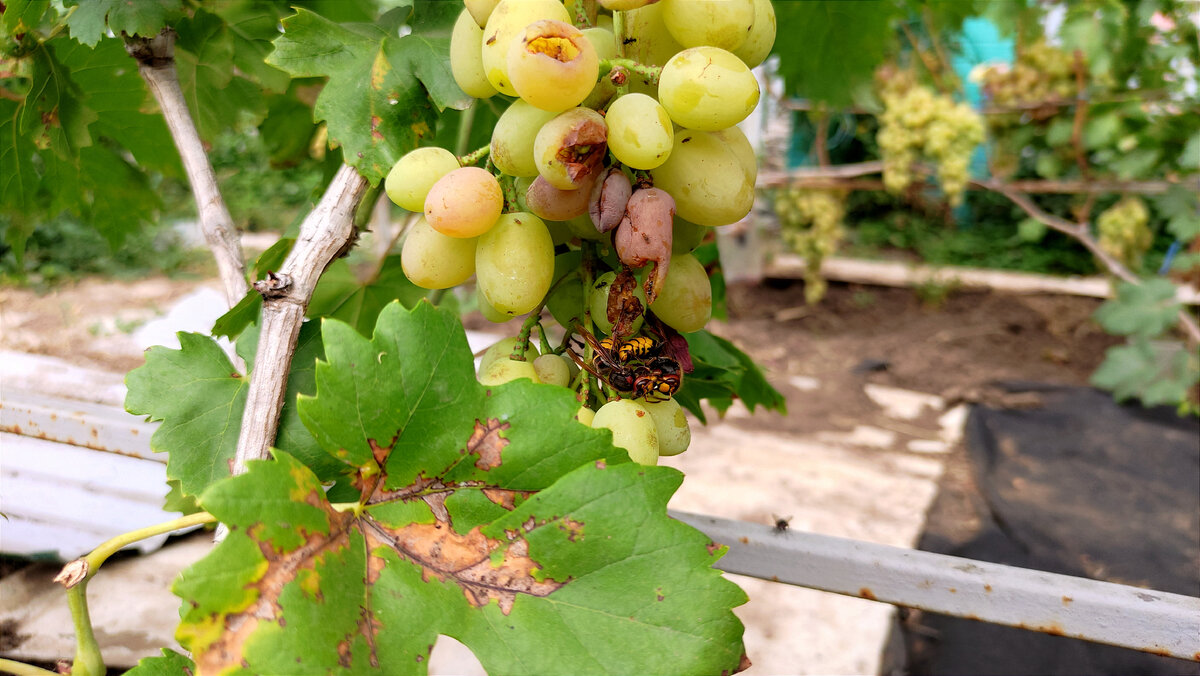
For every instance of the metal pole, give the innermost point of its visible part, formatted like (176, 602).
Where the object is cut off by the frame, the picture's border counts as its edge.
(1101, 612)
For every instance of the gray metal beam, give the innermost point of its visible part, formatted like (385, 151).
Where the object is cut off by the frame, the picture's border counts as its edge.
(1101, 612)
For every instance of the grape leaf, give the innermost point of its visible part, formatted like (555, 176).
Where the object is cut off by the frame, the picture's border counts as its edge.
(1181, 208)
(54, 113)
(341, 295)
(832, 48)
(204, 58)
(724, 373)
(252, 25)
(92, 19)
(1154, 373)
(375, 102)
(1190, 157)
(200, 398)
(1145, 309)
(170, 663)
(486, 514)
(22, 16)
(19, 180)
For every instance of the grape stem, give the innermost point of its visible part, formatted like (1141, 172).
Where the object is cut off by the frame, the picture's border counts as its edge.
(535, 319)
(475, 155)
(651, 73)
(464, 128)
(22, 669)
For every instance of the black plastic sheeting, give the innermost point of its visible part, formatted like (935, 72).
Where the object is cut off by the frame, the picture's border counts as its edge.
(1080, 486)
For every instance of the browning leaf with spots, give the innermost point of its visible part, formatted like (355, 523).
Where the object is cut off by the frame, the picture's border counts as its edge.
(486, 514)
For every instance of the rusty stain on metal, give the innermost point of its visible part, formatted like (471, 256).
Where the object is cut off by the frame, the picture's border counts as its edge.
(988, 588)
(867, 594)
(1067, 600)
(953, 590)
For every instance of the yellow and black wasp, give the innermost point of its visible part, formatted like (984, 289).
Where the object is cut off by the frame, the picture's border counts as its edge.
(635, 366)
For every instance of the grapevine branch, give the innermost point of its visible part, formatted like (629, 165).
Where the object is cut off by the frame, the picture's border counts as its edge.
(1081, 233)
(325, 233)
(156, 64)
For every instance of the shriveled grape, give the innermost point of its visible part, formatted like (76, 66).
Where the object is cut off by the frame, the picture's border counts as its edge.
(598, 303)
(571, 147)
(606, 204)
(644, 235)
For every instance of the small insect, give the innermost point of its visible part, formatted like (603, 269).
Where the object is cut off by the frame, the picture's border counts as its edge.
(634, 367)
(782, 523)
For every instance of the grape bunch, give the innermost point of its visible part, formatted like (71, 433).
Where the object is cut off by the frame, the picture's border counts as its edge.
(618, 151)
(1042, 73)
(812, 225)
(1125, 231)
(917, 124)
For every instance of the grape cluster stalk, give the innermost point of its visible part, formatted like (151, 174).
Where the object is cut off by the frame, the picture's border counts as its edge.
(619, 150)
(919, 124)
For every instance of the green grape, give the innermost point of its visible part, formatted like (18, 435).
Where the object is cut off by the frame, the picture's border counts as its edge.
(674, 433)
(598, 303)
(489, 313)
(503, 349)
(505, 24)
(466, 59)
(685, 299)
(432, 260)
(514, 263)
(552, 65)
(623, 5)
(1124, 230)
(811, 221)
(640, 133)
(707, 88)
(761, 38)
(706, 179)
(735, 139)
(583, 228)
(464, 203)
(570, 148)
(686, 236)
(648, 41)
(505, 370)
(632, 428)
(552, 369)
(719, 23)
(480, 10)
(585, 415)
(410, 179)
(512, 138)
(603, 41)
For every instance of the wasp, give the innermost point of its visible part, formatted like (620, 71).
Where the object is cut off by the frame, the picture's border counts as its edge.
(634, 366)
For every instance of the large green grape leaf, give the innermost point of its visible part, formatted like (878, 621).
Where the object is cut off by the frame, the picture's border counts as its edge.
(1181, 208)
(54, 114)
(23, 16)
(829, 49)
(204, 58)
(1156, 373)
(19, 180)
(1145, 309)
(724, 373)
(253, 24)
(341, 295)
(485, 514)
(170, 663)
(90, 20)
(200, 397)
(377, 101)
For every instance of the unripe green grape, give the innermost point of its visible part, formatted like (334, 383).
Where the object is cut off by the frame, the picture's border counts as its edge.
(632, 428)
(489, 313)
(761, 38)
(480, 10)
(552, 65)
(640, 133)
(503, 349)
(685, 299)
(513, 135)
(735, 139)
(432, 260)
(719, 23)
(570, 148)
(505, 370)
(464, 203)
(674, 433)
(707, 88)
(514, 263)
(552, 369)
(412, 176)
(603, 41)
(706, 179)
(506, 22)
(598, 303)
(686, 236)
(585, 415)
(583, 228)
(648, 41)
(466, 59)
